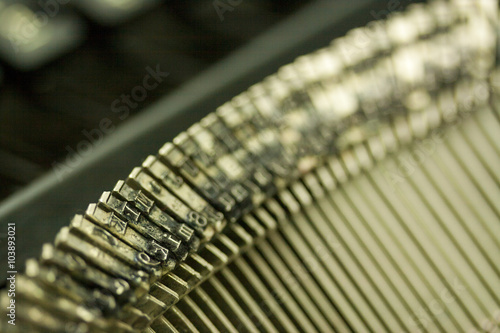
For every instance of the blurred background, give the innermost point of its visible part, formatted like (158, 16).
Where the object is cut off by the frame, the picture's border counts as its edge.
(64, 62)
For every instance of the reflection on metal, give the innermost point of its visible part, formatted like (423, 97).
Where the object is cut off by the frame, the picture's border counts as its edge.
(112, 12)
(29, 39)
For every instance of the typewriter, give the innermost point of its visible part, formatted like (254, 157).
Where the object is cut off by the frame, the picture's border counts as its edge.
(339, 172)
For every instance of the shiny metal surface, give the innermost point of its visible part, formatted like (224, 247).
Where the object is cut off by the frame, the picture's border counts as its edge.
(353, 190)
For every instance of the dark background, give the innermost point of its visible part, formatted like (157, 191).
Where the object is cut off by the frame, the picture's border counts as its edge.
(43, 110)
